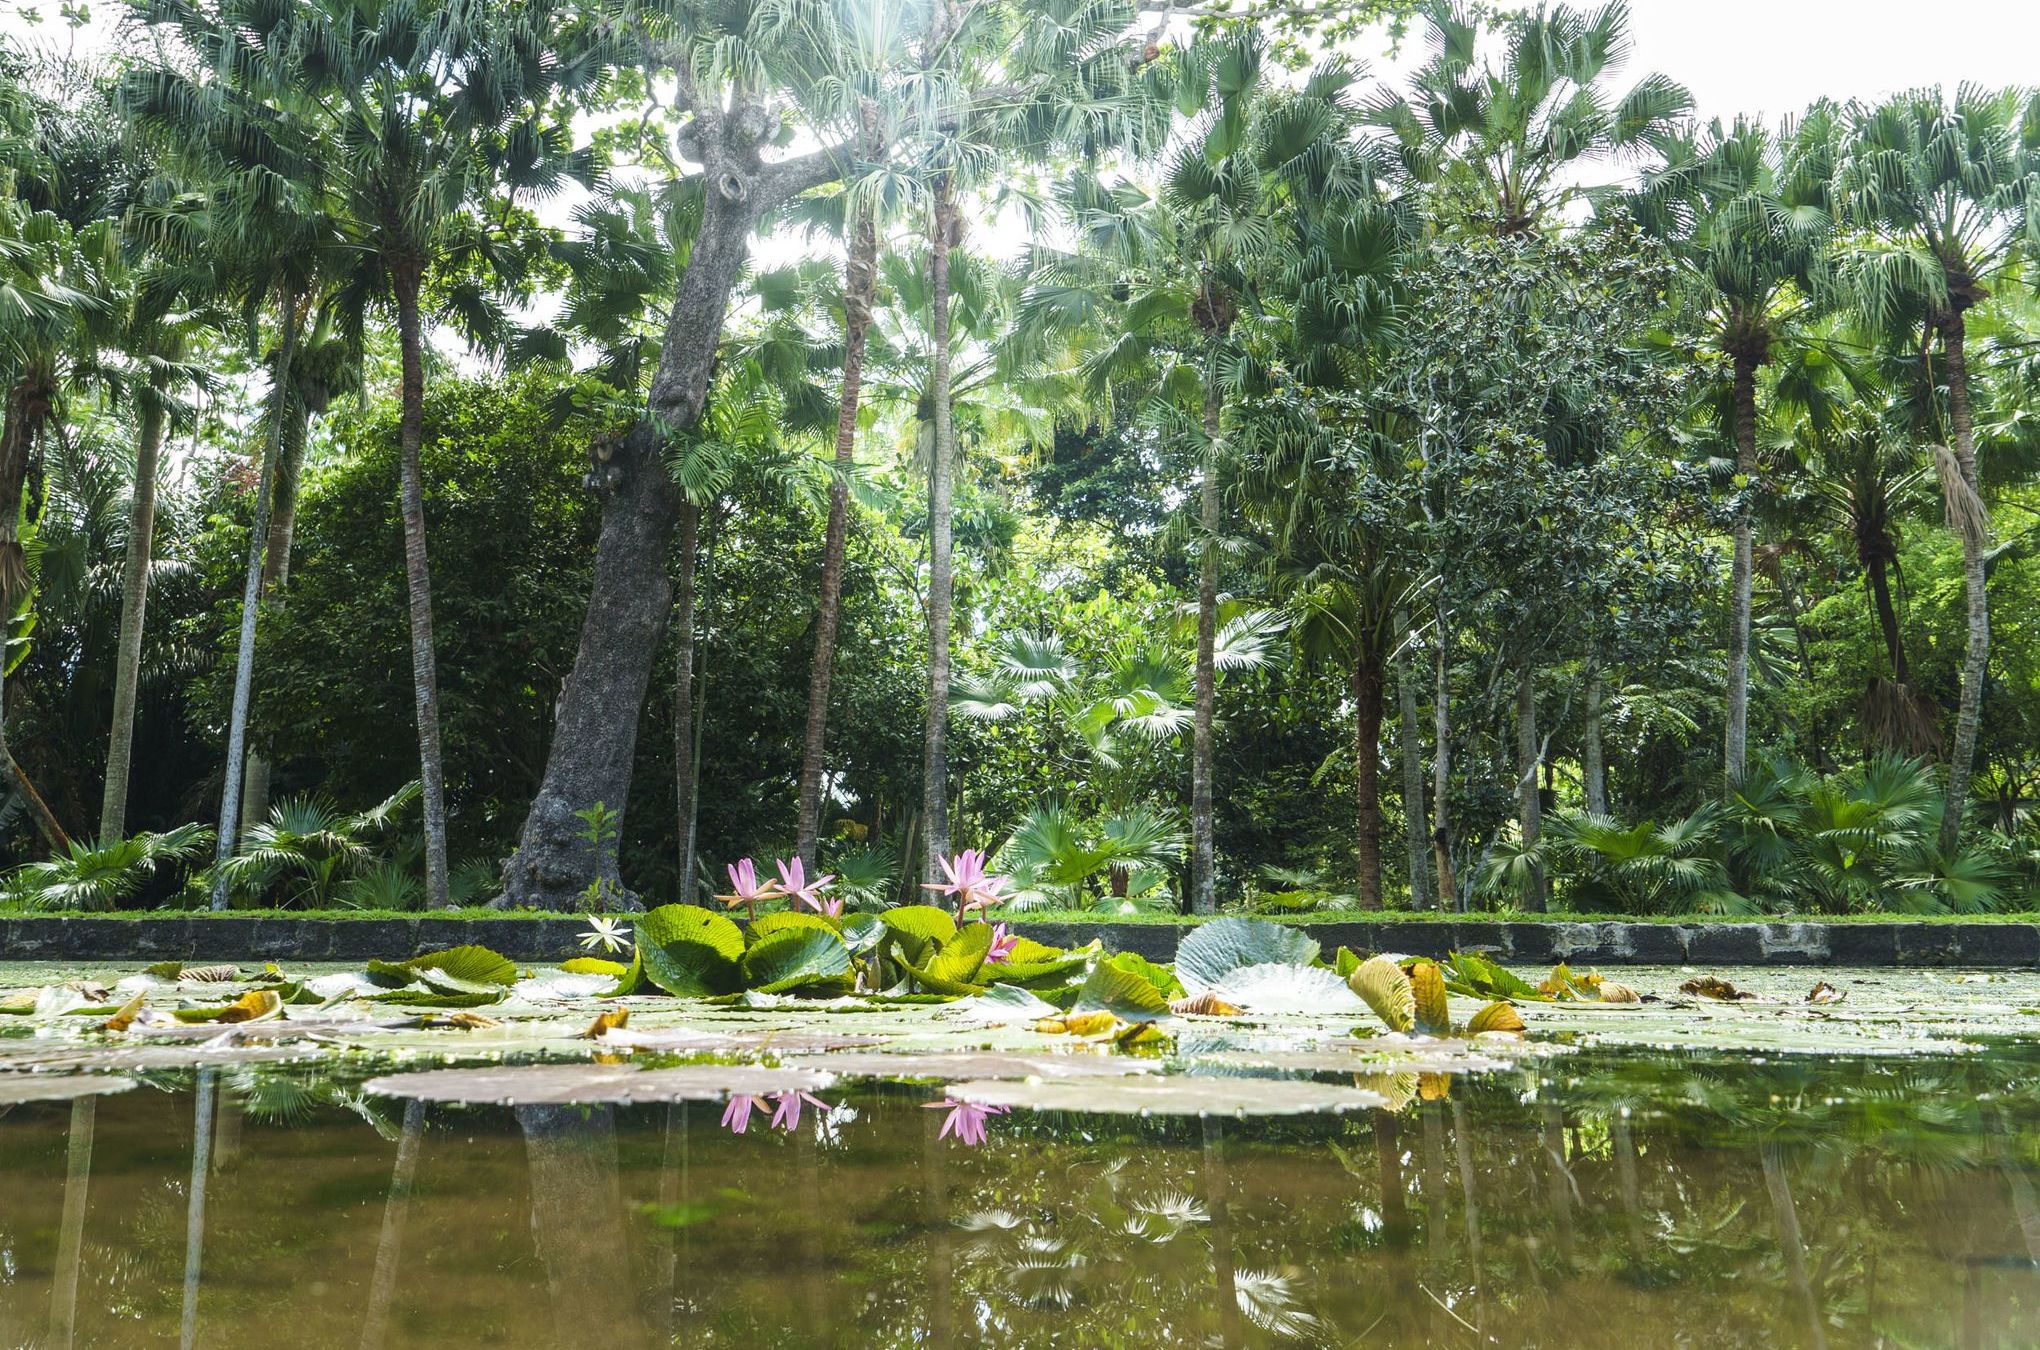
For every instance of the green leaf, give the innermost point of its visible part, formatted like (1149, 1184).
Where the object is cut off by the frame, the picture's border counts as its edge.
(924, 923)
(863, 932)
(788, 921)
(1477, 977)
(469, 965)
(1125, 994)
(592, 965)
(688, 951)
(954, 969)
(1161, 977)
(631, 980)
(800, 959)
(1207, 954)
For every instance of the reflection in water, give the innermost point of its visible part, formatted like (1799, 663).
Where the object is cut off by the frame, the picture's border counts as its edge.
(389, 1249)
(194, 1213)
(1605, 1200)
(70, 1245)
(577, 1223)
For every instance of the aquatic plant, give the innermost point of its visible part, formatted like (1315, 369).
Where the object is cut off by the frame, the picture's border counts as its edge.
(746, 889)
(969, 885)
(794, 884)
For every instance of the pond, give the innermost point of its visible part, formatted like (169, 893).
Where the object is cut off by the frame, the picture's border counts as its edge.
(1861, 1172)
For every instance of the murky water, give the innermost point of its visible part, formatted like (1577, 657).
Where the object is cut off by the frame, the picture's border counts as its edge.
(1616, 1197)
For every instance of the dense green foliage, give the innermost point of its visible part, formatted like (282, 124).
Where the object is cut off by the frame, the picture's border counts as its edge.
(1340, 439)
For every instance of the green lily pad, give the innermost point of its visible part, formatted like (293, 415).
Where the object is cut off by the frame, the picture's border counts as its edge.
(955, 968)
(690, 952)
(1122, 993)
(467, 966)
(788, 921)
(1215, 949)
(799, 959)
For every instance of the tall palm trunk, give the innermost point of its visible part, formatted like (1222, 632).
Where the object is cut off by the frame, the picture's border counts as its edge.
(685, 779)
(1367, 702)
(1441, 775)
(406, 277)
(275, 578)
(1887, 619)
(1203, 884)
(1593, 760)
(1529, 805)
(935, 742)
(860, 279)
(134, 601)
(251, 591)
(1412, 783)
(1976, 660)
(1735, 738)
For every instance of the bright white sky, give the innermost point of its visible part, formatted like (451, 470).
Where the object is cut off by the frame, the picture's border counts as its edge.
(1770, 56)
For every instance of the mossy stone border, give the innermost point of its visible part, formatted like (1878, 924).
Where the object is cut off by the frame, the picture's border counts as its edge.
(1594, 943)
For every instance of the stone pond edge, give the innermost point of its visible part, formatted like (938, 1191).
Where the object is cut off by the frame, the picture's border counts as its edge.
(1898, 943)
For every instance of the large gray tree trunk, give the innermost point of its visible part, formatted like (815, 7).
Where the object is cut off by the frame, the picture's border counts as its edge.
(1203, 881)
(1529, 806)
(418, 582)
(595, 732)
(1735, 736)
(941, 541)
(251, 595)
(1976, 659)
(860, 276)
(134, 600)
(1411, 734)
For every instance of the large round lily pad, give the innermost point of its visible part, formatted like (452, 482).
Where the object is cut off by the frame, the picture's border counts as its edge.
(16, 1088)
(1174, 1095)
(1440, 1057)
(593, 1084)
(976, 1065)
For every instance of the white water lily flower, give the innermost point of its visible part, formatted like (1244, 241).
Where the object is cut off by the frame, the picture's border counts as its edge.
(607, 935)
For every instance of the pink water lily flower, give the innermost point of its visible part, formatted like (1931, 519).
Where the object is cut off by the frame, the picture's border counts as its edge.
(969, 884)
(1003, 944)
(746, 889)
(793, 882)
(786, 1112)
(736, 1117)
(966, 1120)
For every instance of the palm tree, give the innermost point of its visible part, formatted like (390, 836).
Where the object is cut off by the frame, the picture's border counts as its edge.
(162, 328)
(1747, 227)
(1165, 279)
(1947, 191)
(1501, 146)
(263, 231)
